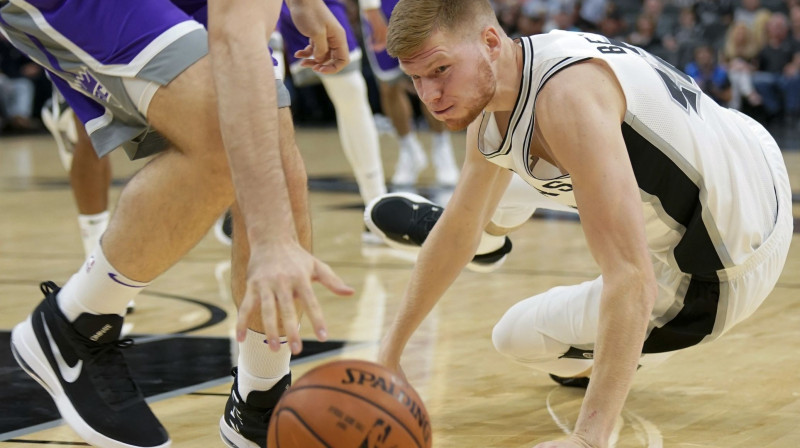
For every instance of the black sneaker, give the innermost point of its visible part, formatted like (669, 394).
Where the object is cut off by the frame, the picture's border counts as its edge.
(404, 221)
(581, 382)
(81, 366)
(223, 228)
(244, 423)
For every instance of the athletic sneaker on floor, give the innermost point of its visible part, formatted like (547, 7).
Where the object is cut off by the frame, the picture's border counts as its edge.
(245, 421)
(404, 221)
(81, 366)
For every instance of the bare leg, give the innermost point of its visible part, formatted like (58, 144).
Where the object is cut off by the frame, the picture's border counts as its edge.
(89, 176)
(173, 201)
(396, 106)
(411, 159)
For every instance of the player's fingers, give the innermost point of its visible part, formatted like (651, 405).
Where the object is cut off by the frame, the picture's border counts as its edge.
(305, 295)
(289, 319)
(325, 275)
(319, 45)
(270, 321)
(245, 309)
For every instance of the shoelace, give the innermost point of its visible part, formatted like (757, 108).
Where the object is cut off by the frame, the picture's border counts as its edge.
(423, 221)
(111, 374)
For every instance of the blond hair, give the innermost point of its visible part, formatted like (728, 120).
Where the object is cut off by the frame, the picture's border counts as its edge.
(732, 50)
(413, 21)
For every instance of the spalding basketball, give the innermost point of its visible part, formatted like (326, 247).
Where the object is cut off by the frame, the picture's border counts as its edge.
(350, 404)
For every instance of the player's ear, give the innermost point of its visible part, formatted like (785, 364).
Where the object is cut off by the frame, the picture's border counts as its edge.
(491, 38)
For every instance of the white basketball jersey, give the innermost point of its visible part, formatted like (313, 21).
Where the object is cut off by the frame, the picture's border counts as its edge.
(707, 191)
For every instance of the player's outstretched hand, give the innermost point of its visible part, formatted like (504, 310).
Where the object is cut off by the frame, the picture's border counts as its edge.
(279, 276)
(327, 51)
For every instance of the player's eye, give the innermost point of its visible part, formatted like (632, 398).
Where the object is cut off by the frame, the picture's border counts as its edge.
(440, 69)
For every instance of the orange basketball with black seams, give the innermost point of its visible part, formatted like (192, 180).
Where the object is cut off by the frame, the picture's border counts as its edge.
(350, 404)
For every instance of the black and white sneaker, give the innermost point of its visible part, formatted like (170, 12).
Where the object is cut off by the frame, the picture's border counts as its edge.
(81, 366)
(580, 382)
(223, 228)
(404, 221)
(244, 423)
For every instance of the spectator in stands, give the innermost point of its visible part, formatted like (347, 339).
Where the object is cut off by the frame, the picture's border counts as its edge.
(532, 17)
(752, 14)
(17, 89)
(613, 24)
(711, 13)
(709, 75)
(740, 56)
(507, 14)
(590, 14)
(794, 24)
(644, 35)
(778, 77)
(684, 37)
(562, 15)
(663, 23)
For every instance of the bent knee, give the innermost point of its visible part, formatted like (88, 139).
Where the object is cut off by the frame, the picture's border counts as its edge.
(528, 346)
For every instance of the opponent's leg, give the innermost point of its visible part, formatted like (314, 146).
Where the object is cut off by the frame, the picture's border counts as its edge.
(262, 375)
(411, 159)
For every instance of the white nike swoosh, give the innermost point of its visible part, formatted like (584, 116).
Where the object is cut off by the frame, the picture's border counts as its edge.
(69, 373)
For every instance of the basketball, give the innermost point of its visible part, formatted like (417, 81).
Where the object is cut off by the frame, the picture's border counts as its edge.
(350, 404)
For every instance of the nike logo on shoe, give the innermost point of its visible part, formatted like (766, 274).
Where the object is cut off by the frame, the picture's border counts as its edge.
(114, 277)
(69, 373)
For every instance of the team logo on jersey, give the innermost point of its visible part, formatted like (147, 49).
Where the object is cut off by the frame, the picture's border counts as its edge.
(86, 82)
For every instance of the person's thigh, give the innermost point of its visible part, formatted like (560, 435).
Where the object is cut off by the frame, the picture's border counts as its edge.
(115, 53)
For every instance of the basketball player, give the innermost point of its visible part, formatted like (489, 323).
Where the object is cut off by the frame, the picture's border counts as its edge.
(686, 205)
(222, 140)
(348, 93)
(393, 86)
(89, 175)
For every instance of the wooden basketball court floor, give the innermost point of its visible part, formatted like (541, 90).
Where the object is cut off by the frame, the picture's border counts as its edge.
(741, 391)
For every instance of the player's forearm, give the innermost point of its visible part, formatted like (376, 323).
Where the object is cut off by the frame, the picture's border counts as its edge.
(249, 126)
(624, 315)
(441, 260)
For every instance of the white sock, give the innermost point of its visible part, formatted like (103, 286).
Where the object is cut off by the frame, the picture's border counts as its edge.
(490, 243)
(409, 140)
(357, 131)
(97, 288)
(259, 367)
(92, 228)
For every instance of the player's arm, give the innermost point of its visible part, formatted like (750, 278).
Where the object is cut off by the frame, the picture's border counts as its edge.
(279, 270)
(582, 126)
(248, 114)
(377, 22)
(449, 247)
(327, 51)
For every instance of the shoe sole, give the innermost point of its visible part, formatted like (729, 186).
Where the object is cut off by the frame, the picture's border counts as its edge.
(29, 356)
(220, 234)
(233, 439)
(413, 248)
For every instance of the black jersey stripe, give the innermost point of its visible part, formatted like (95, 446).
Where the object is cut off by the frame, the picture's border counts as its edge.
(695, 254)
(659, 176)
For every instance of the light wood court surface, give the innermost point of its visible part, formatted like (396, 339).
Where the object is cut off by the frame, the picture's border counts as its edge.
(741, 391)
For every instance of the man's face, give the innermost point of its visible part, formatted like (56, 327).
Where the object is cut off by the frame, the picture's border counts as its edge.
(453, 79)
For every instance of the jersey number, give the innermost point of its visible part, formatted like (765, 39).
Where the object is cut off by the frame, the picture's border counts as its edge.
(681, 87)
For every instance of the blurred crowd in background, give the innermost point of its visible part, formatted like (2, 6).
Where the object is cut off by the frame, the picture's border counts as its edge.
(744, 53)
